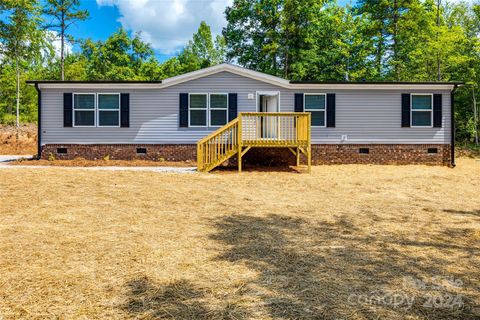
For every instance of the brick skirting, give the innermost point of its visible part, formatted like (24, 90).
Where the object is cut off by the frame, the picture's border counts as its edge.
(321, 153)
(166, 152)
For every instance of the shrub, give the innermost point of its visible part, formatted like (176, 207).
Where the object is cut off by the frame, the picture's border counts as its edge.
(7, 119)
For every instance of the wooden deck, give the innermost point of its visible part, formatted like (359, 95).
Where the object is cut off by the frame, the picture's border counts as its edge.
(256, 130)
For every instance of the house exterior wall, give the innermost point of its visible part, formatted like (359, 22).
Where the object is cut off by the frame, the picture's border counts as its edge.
(364, 116)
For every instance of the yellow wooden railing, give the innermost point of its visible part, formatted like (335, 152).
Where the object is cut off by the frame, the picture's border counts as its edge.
(256, 129)
(218, 146)
(275, 129)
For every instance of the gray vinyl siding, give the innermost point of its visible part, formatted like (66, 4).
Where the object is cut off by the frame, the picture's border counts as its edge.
(364, 116)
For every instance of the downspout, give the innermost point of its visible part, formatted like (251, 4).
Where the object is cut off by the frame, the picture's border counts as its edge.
(39, 125)
(452, 134)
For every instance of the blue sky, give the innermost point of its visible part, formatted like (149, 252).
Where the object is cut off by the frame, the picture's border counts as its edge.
(166, 24)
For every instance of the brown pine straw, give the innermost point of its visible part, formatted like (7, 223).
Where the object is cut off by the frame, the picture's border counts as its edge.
(257, 245)
(18, 141)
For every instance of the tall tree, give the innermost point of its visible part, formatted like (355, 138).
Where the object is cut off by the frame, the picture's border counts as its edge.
(202, 51)
(21, 38)
(64, 13)
(439, 75)
(298, 39)
(253, 34)
(377, 12)
(120, 57)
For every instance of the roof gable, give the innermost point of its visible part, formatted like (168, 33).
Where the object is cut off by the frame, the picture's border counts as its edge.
(228, 68)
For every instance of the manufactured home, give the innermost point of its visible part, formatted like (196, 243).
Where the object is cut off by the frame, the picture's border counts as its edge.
(229, 112)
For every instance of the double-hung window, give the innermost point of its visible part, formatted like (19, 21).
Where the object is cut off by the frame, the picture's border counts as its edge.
(84, 109)
(421, 110)
(198, 103)
(108, 110)
(316, 105)
(100, 110)
(207, 109)
(218, 109)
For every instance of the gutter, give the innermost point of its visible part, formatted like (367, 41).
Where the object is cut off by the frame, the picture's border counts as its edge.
(452, 126)
(39, 122)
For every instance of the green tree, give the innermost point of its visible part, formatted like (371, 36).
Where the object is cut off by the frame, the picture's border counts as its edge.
(202, 51)
(120, 57)
(253, 34)
(298, 39)
(22, 40)
(64, 13)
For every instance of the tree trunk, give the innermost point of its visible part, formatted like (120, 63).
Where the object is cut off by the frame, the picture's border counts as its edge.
(395, 31)
(18, 90)
(475, 116)
(439, 75)
(62, 48)
(379, 54)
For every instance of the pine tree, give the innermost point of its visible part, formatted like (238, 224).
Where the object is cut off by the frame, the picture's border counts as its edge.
(64, 14)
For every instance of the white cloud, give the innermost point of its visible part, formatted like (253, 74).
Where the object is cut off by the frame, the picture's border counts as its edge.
(169, 24)
(54, 39)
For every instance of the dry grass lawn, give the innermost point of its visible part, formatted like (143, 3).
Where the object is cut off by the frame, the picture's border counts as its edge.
(345, 242)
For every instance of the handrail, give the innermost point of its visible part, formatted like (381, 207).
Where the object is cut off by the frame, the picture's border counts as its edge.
(275, 128)
(217, 146)
(273, 113)
(219, 130)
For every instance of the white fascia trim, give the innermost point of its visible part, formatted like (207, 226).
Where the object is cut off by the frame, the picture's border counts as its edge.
(99, 86)
(429, 87)
(229, 68)
(300, 87)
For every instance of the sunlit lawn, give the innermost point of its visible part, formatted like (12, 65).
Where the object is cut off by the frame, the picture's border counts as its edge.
(340, 243)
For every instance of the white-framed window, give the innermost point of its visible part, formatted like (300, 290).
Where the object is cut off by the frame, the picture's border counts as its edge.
(207, 109)
(108, 108)
(421, 110)
(197, 109)
(316, 104)
(218, 109)
(84, 109)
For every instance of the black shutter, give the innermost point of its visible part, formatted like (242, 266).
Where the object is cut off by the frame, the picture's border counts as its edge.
(405, 110)
(437, 110)
(67, 109)
(331, 110)
(299, 102)
(232, 106)
(125, 110)
(183, 110)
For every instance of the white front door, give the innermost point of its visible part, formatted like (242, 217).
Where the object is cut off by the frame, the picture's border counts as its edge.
(269, 103)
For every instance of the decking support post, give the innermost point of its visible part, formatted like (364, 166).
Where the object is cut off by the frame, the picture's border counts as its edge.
(298, 156)
(309, 139)
(199, 157)
(239, 142)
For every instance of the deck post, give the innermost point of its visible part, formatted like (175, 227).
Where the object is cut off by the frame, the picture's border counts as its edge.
(199, 157)
(298, 156)
(239, 142)
(309, 142)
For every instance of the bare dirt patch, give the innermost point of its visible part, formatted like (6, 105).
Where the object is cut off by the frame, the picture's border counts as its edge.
(18, 141)
(341, 243)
